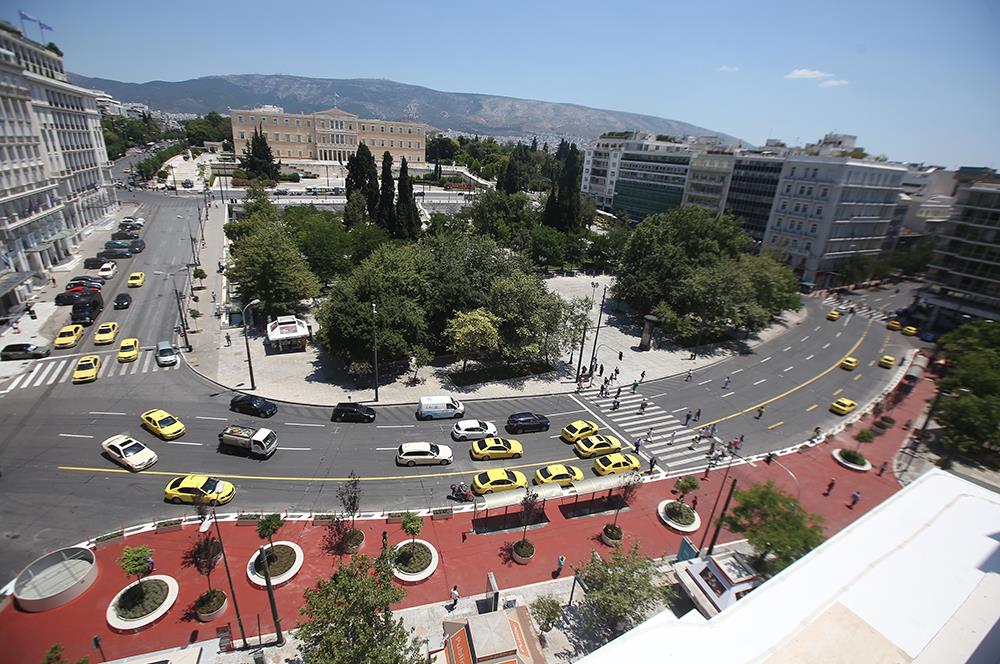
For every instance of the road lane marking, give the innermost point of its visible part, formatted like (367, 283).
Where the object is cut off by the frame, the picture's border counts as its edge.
(568, 412)
(678, 410)
(760, 381)
(41, 378)
(765, 359)
(826, 346)
(836, 392)
(206, 417)
(858, 377)
(812, 408)
(816, 329)
(872, 363)
(299, 424)
(74, 435)
(705, 382)
(804, 338)
(13, 383)
(736, 371)
(182, 442)
(728, 394)
(776, 425)
(788, 369)
(386, 449)
(394, 426)
(786, 349)
(105, 412)
(295, 449)
(838, 334)
(810, 357)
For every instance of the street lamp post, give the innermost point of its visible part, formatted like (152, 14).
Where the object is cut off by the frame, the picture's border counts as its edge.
(246, 338)
(597, 330)
(375, 349)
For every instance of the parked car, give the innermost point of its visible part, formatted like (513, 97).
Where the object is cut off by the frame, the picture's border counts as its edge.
(114, 254)
(108, 270)
(187, 184)
(91, 277)
(352, 412)
(83, 283)
(125, 235)
(137, 246)
(123, 301)
(68, 297)
(24, 352)
(92, 263)
(250, 404)
(116, 244)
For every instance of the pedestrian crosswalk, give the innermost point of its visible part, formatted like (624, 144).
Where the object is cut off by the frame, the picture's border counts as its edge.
(862, 309)
(652, 431)
(53, 371)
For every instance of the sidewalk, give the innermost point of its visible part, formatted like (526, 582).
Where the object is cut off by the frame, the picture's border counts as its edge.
(313, 377)
(466, 556)
(50, 317)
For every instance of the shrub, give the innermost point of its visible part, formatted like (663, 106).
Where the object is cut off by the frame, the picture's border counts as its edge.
(280, 559)
(853, 456)
(249, 516)
(547, 611)
(412, 557)
(680, 513)
(141, 599)
(611, 531)
(108, 536)
(210, 600)
(865, 436)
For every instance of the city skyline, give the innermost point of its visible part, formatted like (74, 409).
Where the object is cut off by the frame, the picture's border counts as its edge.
(892, 74)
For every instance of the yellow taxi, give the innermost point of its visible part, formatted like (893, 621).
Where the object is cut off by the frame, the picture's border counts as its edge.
(136, 279)
(894, 325)
(200, 489)
(106, 333)
(592, 446)
(496, 448)
(849, 363)
(129, 350)
(163, 424)
(842, 406)
(558, 473)
(498, 480)
(909, 331)
(574, 431)
(833, 315)
(68, 336)
(887, 361)
(613, 464)
(86, 369)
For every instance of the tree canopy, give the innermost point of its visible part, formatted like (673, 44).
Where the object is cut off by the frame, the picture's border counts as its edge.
(362, 177)
(212, 127)
(257, 159)
(970, 415)
(385, 216)
(775, 524)
(407, 215)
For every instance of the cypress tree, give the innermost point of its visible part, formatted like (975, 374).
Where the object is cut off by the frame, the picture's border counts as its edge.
(386, 212)
(569, 191)
(257, 159)
(407, 215)
(550, 217)
(534, 144)
(563, 150)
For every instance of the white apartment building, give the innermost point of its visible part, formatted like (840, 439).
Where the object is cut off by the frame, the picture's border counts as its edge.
(829, 208)
(108, 105)
(54, 171)
(708, 180)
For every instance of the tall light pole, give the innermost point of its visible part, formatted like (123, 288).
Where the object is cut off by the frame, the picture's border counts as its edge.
(375, 349)
(182, 319)
(597, 330)
(246, 338)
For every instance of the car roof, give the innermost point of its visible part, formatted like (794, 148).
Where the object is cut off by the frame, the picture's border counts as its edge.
(193, 480)
(582, 423)
(156, 413)
(415, 447)
(496, 473)
(522, 416)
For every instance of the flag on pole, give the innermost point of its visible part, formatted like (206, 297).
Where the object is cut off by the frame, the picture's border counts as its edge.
(26, 17)
(45, 26)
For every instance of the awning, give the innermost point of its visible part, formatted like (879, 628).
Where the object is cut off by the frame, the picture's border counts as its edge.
(12, 280)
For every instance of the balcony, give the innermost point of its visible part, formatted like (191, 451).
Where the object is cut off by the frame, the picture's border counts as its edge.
(27, 189)
(17, 220)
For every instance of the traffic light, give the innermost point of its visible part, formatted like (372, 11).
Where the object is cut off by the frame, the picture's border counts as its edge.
(620, 355)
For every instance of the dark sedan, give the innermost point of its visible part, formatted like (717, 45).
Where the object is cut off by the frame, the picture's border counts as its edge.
(253, 405)
(352, 412)
(24, 352)
(68, 297)
(123, 301)
(525, 422)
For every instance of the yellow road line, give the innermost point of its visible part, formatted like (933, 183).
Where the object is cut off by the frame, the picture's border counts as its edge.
(838, 391)
(812, 407)
(794, 389)
(776, 425)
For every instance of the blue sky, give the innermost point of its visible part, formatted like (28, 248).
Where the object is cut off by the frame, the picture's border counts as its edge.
(916, 80)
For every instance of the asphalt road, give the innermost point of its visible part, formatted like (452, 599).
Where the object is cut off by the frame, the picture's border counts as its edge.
(58, 489)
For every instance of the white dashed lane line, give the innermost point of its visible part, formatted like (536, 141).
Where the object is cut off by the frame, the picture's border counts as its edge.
(786, 349)
(105, 412)
(736, 371)
(765, 360)
(760, 381)
(300, 424)
(74, 435)
(205, 417)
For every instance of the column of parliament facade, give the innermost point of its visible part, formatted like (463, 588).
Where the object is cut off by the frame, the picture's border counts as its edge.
(330, 135)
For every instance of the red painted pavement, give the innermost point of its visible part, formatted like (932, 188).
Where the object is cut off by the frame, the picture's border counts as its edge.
(465, 557)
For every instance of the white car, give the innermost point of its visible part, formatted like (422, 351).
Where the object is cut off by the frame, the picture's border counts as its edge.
(129, 452)
(139, 221)
(473, 430)
(108, 270)
(423, 454)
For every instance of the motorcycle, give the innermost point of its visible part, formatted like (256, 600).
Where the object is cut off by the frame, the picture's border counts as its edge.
(461, 493)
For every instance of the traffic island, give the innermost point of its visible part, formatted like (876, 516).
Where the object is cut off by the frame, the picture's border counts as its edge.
(284, 560)
(414, 561)
(852, 460)
(678, 516)
(142, 603)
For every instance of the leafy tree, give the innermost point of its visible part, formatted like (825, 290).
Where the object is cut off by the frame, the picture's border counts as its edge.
(529, 508)
(54, 655)
(472, 334)
(407, 215)
(548, 246)
(362, 176)
(134, 561)
(605, 248)
(441, 147)
(629, 486)
(775, 524)
(195, 315)
(686, 485)
(621, 591)
(970, 414)
(323, 240)
(856, 268)
(550, 215)
(203, 555)
(349, 494)
(268, 265)
(546, 610)
(267, 526)
(507, 218)
(199, 274)
(212, 127)
(257, 159)
(421, 358)
(386, 214)
(412, 525)
(356, 211)
(347, 619)
(568, 203)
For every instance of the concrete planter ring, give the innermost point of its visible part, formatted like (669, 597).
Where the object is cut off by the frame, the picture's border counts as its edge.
(212, 615)
(518, 558)
(258, 579)
(422, 575)
(610, 541)
(127, 626)
(661, 510)
(851, 466)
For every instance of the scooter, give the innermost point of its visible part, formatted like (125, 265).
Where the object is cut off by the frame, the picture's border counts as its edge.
(461, 494)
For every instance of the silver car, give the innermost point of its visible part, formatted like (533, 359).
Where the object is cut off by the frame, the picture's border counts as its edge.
(423, 454)
(473, 430)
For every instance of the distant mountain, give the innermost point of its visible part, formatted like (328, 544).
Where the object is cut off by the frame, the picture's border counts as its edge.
(377, 98)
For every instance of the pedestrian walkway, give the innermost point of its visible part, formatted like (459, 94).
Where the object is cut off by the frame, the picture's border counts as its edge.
(55, 370)
(875, 313)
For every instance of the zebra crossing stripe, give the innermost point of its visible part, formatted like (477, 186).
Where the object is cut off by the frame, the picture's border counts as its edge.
(14, 383)
(651, 421)
(45, 372)
(32, 375)
(55, 374)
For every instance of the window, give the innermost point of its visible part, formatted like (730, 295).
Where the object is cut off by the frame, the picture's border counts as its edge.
(819, 210)
(240, 119)
(808, 246)
(802, 190)
(784, 205)
(390, 129)
(298, 139)
(812, 229)
(382, 128)
(241, 135)
(824, 192)
(298, 123)
(251, 119)
(288, 138)
(788, 188)
(792, 174)
(809, 191)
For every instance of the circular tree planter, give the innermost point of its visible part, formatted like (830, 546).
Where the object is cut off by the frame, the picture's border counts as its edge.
(851, 466)
(610, 540)
(354, 547)
(276, 579)
(527, 552)
(417, 576)
(208, 616)
(128, 625)
(661, 510)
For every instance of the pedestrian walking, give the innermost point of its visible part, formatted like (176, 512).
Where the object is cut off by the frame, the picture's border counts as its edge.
(642, 376)
(385, 540)
(149, 564)
(687, 418)
(688, 377)
(855, 499)
(53, 279)
(697, 415)
(738, 443)
(652, 464)
(760, 412)
(649, 433)
(635, 386)
(726, 382)
(642, 407)
(711, 430)
(617, 371)
(454, 598)
(673, 437)
(711, 449)
(618, 393)
(614, 404)
(694, 503)
(229, 340)
(560, 563)
(883, 468)
(636, 444)
(213, 296)
(601, 370)
(829, 486)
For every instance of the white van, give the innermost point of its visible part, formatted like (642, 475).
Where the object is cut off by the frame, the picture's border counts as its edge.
(439, 407)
